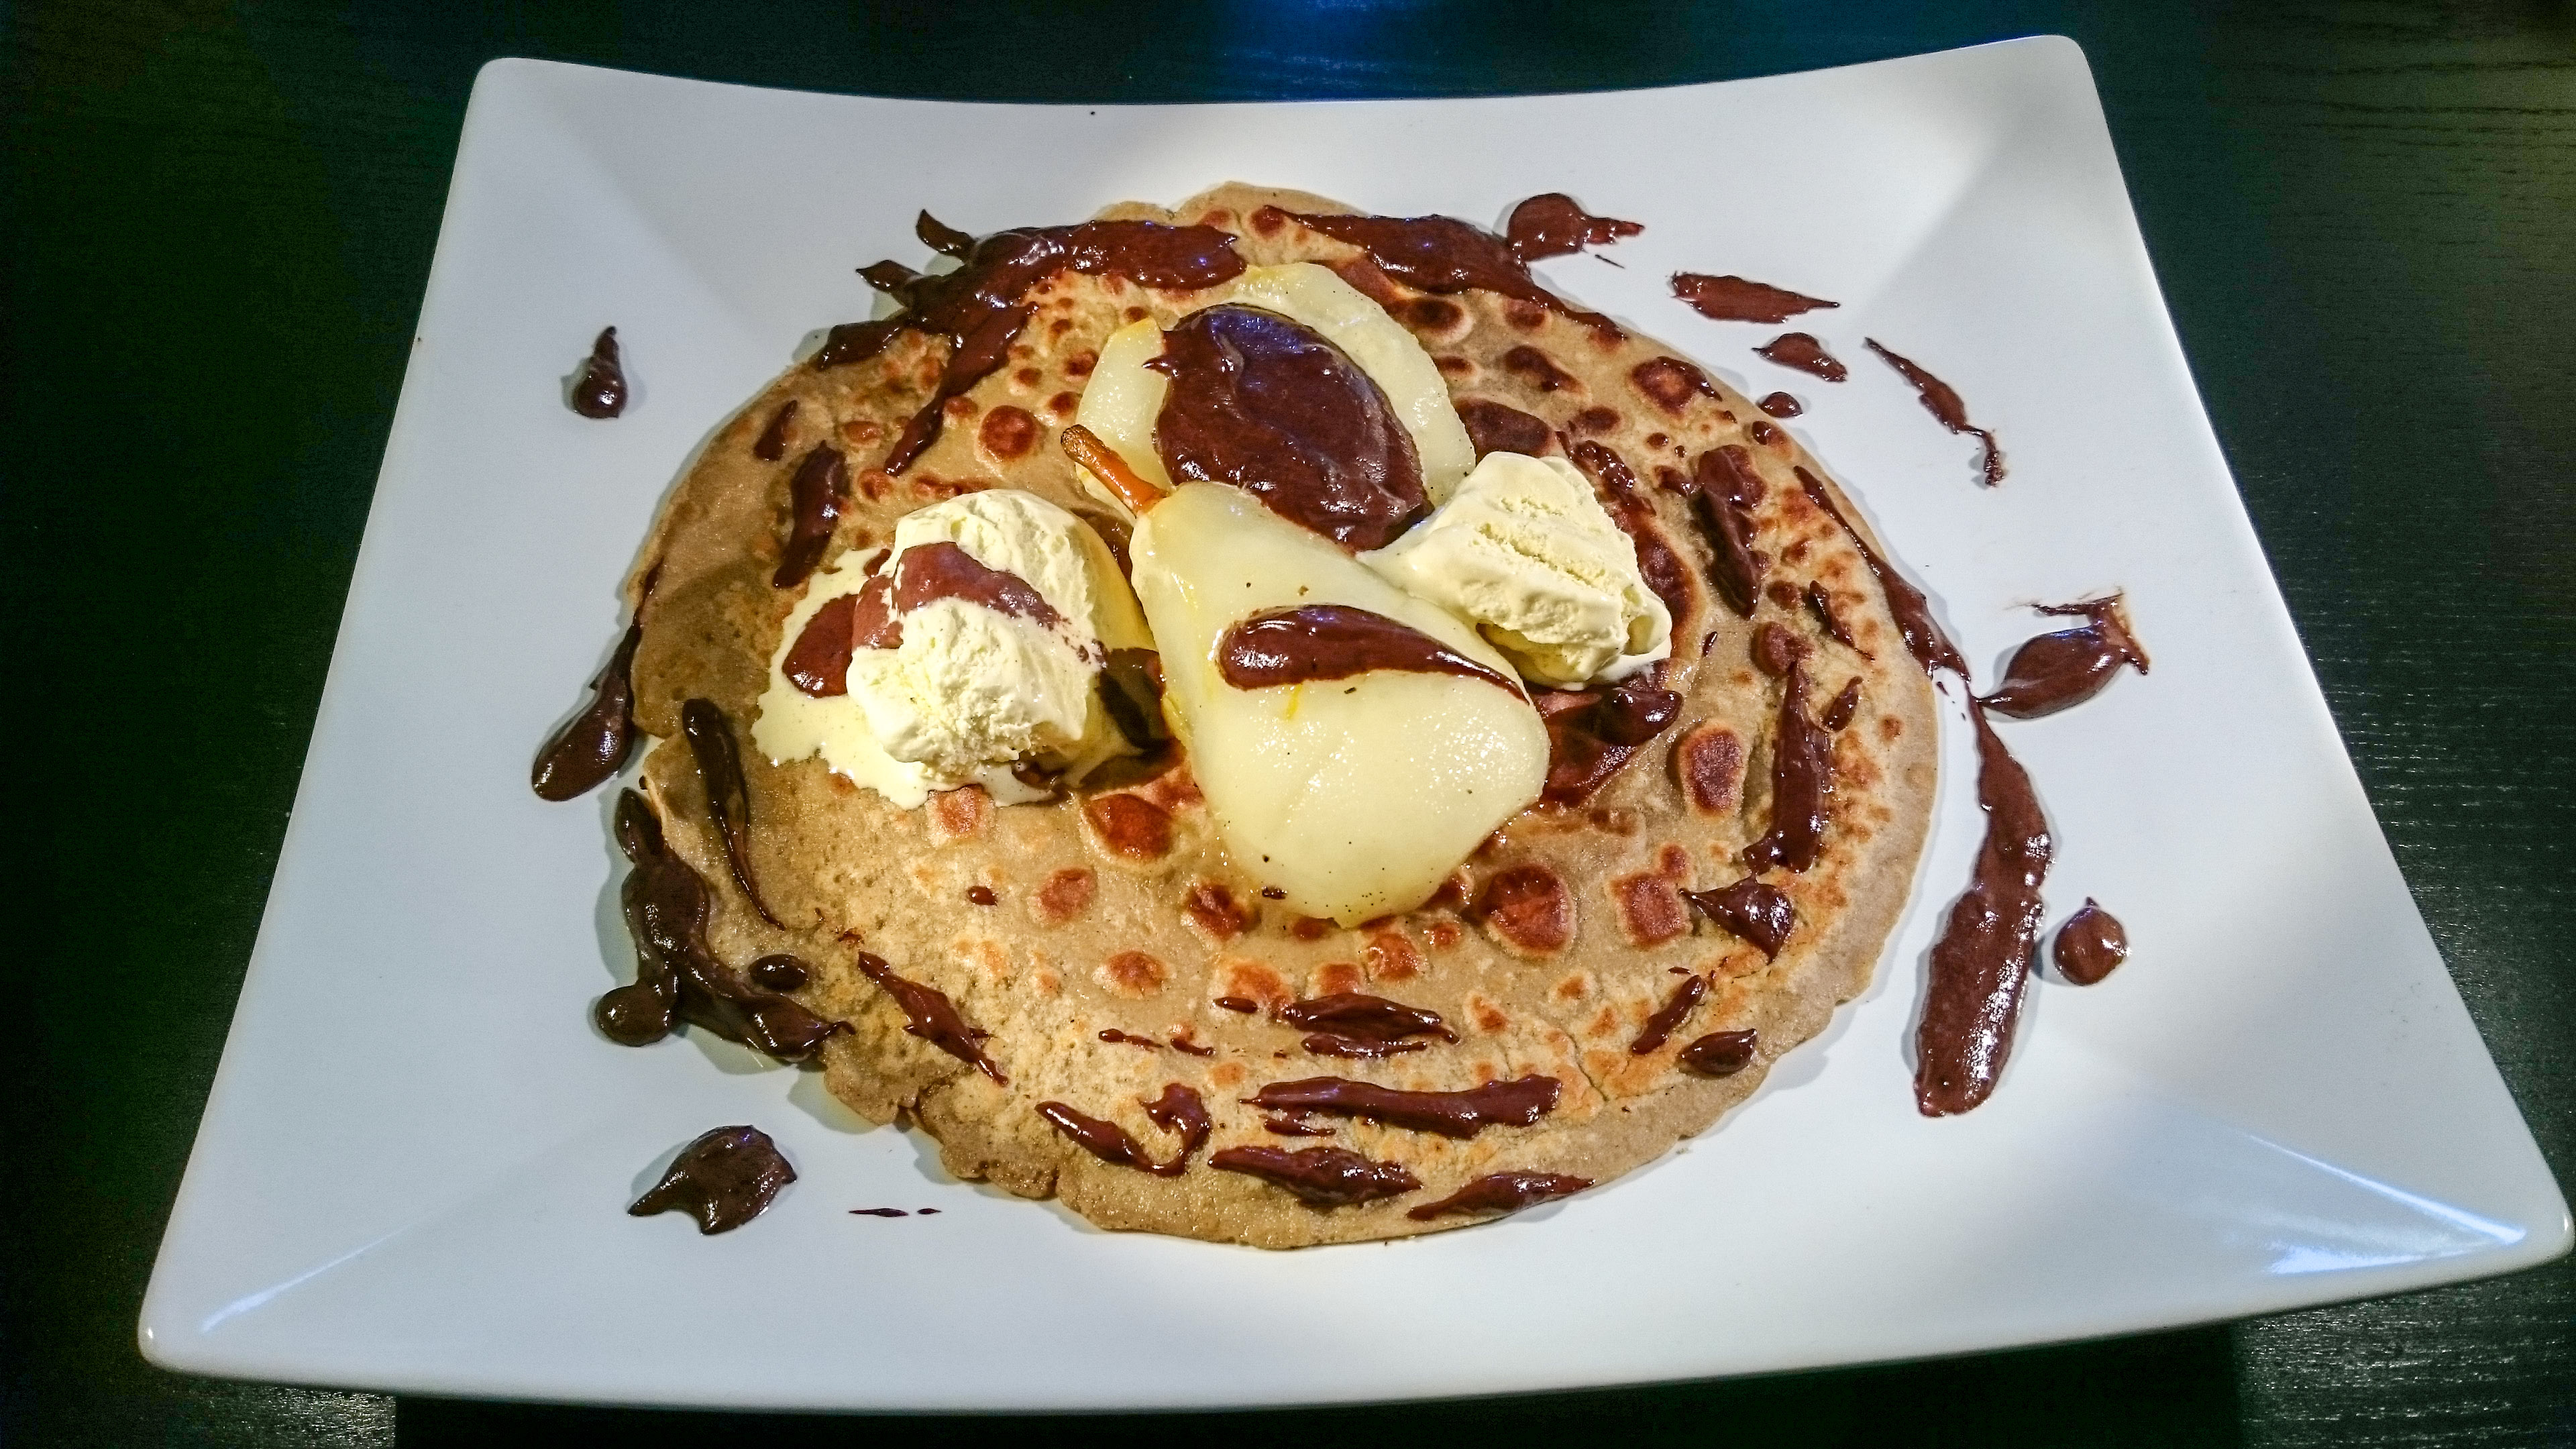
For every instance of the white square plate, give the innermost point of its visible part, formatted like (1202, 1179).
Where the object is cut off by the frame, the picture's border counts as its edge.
(412, 1171)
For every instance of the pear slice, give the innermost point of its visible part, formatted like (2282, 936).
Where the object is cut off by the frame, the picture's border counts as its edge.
(1125, 397)
(1355, 797)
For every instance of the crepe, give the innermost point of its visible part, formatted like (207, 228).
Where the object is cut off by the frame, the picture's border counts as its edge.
(1115, 908)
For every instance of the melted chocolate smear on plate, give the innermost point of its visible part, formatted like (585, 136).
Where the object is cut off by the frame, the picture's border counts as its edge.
(1272, 407)
(1443, 254)
(815, 497)
(1930, 647)
(1668, 1018)
(599, 389)
(719, 760)
(1943, 403)
(1734, 299)
(1322, 1176)
(885, 1212)
(1980, 967)
(1780, 405)
(593, 744)
(1802, 351)
(1554, 225)
(1374, 1018)
(931, 1016)
(1718, 1054)
(1761, 914)
(1335, 641)
(1502, 1192)
(2060, 670)
(1802, 784)
(977, 308)
(1516, 1103)
(2090, 945)
(940, 237)
(677, 975)
(723, 1179)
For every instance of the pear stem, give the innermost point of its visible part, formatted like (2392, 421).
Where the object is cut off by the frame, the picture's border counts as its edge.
(1102, 461)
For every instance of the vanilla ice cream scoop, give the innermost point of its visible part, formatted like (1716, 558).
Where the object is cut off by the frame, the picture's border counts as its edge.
(1526, 553)
(974, 645)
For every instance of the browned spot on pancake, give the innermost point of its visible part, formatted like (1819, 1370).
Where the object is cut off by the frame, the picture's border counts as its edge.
(1337, 978)
(876, 483)
(1529, 909)
(1538, 369)
(1132, 973)
(1175, 789)
(1708, 763)
(1429, 314)
(1027, 378)
(957, 814)
(960, 409)
(1527, 316)
(1574, 987)
(1782, 592)
(1650, 910)
(1392, 956)
(1132, 314)
(1777, 648)
(1487, 1016)
(1064, 404)
(1673, 860)
(1046, 981)
(1214, 910)
(1218, 217)
(1008, 433)
(1890, 726)
(1604, 1022)
(1130, 826)
(1060, 326)
(1310, 928)
(1066, 894)
(1252, 980)
(986, 953)
(1228, 1075)
(1268, 219)
(1444, 934)
(1671, 383)
(1499, 428)
(1796, 552)
(1081, 363)
(1454, 365)
(928, 487)
(1616, 820)
(1597, 420)
(863, 433)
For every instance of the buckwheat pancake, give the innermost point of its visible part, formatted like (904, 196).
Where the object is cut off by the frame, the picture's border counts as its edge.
(1115, 909)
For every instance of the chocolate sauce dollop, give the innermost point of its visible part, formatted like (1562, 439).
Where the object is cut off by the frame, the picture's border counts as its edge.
(2090, 945)
(1516, 1103)
(1335, 641)
(1718, 1054)
(1323, 1176)
(723, 1179)
(815, 496)
(1761, 914)
(1802, 351)
(1668, 1018)
(1502, 1192)
(1274, 408)
(599, 389)
(593, 743)
(2060, 670)
(1555, 225)
(1980, 966)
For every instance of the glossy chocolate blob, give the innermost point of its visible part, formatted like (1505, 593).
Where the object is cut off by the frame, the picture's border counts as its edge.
(599, 389)
(1734, 299)
(1323, 1176)
(1502, 1192)
(1802, 351)
(2060, 670)
(719, 760)
(593, 744)
(723, 1179)
(1802, 784)
(1554, 225)
(1980, 966)
(931, 1016)
(1335, 641)
(1761, 914)
(1516, 1103)
(1272, 407)
(2090, 945)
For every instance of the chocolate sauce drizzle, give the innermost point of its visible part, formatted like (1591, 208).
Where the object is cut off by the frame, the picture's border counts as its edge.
(599, 389)
(1668, 1018)
(931, 1016)
(1802, 351)
(1761, 914)
(1734, 569)
(2090, 945)
(2060, 670)
(977, 308)
(771, 445)
(677, 975)
(814, 500)
(1802, 784)
(1272, 407)
(1322, 1176)
(1591, 735)
(1372, 1018)
(723, 1179)
(1845, 705)
(1733, 299)
(1913, 614)
(1554, 225)
(1516, 1103)
(1943, 403)
(1502, 1192)
(719, 761)
(593, 744)
(1820, 602)
(780, 972)
(1718, 1054)
(1335, 641)
(1981, 965)
(1443, 254)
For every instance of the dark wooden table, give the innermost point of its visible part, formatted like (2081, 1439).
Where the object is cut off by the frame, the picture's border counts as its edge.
(219, 222)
